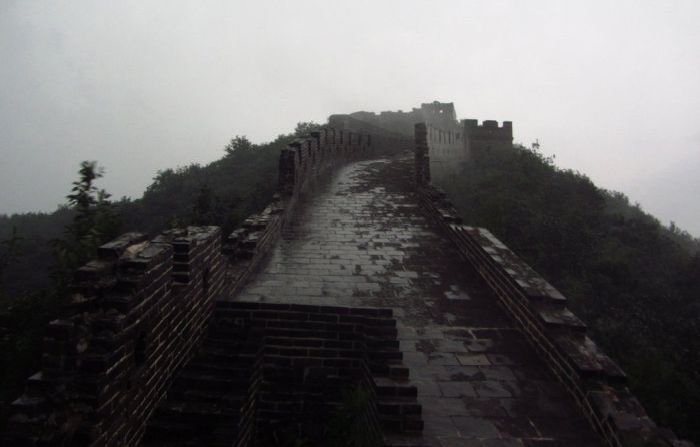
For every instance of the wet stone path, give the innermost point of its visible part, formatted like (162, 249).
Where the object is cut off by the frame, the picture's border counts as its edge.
(362, 241)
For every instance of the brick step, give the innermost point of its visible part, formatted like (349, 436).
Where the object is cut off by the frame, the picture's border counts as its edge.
(209, 382)
(331, 390)
(404, 440)
(385, 355)
(218, 330)
(190, 443)
(314, 342)
(305, 325)
(232, 399)
(31, 406)
(230, 321)
(224, 356)
(283, 362)
(205, 415)
(38, 385)
(388, 387)
(287, 375)
(381, 344)
(314, 352)
(304, 308)
(239, 321)
(396, 371)
(401, 423)
(308, 333)
(394, 407)
(232, 344)
(219, 369)
(163, 432)
(381, 331)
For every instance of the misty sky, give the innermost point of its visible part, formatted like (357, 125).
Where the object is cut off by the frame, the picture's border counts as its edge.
(611, 88)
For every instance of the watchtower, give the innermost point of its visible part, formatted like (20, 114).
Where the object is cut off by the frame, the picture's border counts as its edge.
(488, 135)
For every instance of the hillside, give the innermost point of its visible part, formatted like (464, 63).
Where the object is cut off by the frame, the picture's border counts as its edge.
(223, 192)
(633, 281)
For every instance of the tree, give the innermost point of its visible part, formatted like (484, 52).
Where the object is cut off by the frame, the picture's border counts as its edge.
(206, 207)
(239, 144)
(304, 128)
(9, 248)
(95, 222)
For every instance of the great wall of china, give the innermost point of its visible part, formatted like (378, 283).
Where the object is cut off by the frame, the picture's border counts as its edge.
(358, 276)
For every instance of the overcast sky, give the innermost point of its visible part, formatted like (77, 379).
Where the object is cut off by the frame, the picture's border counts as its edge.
(612, 88)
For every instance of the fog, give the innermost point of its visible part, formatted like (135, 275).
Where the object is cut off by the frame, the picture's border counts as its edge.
(610, 88)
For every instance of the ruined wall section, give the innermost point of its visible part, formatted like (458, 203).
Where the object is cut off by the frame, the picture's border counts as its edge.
(596, 383)
(135, 315)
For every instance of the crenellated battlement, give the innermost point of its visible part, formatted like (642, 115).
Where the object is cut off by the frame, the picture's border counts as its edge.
(595, 381)
(488, 135)
(138, 312)
(134, 316)
(155, 336)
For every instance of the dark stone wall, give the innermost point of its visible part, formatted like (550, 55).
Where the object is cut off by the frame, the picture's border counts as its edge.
(139, 311)
(594, 381)
(439, 113)
(488, 135)
(447, 152)
(136, 314)
(270, 372)
(307, 356)
(301, 165)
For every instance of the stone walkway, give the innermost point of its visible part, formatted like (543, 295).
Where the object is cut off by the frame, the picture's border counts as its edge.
(362, 241)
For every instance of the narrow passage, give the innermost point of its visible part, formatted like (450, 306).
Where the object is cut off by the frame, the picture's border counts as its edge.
(362, 241)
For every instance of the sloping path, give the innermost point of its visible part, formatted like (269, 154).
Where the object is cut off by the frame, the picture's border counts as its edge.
(362, 241)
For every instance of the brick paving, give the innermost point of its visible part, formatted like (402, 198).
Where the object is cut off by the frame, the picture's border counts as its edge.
(362, 241)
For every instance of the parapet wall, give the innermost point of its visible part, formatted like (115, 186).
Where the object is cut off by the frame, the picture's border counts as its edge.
(446, 152)
(305, 356)
(301, 164)
(559, 337)
(488, 135)
(139, 311)
(135, 315)
(439, 113)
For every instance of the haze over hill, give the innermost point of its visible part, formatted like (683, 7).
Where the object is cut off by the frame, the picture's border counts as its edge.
(142, 87)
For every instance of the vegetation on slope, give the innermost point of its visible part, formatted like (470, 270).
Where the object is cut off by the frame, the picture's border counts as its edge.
(635, 282)
(38, 251)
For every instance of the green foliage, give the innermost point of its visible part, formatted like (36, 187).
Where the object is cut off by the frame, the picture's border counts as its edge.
(23, 319)
(304, 129)
(222, 193)
(347, 426)
(207, 208)
(9, 249)
(634, 282)
(94, 223)
(239, 144)
(24, 314)
(27, 269)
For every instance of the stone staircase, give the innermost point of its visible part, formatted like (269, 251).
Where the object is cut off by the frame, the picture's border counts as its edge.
(203, 404)
(267, 370)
